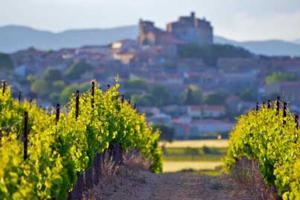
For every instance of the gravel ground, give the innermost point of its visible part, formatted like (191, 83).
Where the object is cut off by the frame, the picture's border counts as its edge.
(137, 184)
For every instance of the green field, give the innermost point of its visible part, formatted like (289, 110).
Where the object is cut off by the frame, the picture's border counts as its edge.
(204, 156)
(195, 144)
(175, 166)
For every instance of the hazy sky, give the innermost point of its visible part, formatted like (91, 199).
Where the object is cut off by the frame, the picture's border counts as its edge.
(236, 19)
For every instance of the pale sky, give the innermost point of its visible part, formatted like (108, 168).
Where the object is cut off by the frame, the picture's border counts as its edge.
(234, 19)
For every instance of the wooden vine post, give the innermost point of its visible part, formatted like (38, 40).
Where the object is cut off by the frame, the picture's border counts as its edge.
(57, 113)
(25, 134)
(77, 191)
(3, 86)
(257, 106)
(19, 96)
(93, 174)
(89, 174)
(297, 121)
(93, 94)
(284, 112)
(77, 96)
(277, 105)
(269, 104)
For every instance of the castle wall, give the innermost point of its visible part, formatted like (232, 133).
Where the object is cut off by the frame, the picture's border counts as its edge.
(187, 29)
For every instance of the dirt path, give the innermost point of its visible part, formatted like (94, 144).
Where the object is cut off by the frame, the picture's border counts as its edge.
(131, 184)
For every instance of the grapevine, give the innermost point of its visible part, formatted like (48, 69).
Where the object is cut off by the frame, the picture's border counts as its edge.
(64, 144)
(270, 136)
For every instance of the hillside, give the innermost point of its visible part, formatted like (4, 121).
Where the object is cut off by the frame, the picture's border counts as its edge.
(265, 47)
(273, 47)
(5, 62)
(14, 38)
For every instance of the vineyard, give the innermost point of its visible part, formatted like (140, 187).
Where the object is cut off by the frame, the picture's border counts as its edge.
(44, 152)
(54, 153)
(270, 136)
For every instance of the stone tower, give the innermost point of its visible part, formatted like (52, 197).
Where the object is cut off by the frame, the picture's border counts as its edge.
(192, 30)
(147, 33)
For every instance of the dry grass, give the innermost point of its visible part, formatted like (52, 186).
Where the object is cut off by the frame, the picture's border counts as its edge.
(247, 173)
(174, 166)
(195, 144)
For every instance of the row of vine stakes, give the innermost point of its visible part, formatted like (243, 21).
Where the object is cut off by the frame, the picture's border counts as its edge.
(57, 112)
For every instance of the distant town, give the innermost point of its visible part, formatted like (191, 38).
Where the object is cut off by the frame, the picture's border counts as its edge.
(178, 77)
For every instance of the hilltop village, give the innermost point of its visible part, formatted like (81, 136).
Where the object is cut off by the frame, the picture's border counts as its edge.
(177, 76)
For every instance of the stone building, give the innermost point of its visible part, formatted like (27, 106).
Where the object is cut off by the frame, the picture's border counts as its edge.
(151, 35)
(192, 30)
(187, 29)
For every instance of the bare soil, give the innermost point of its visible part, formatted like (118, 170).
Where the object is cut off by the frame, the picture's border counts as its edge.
(137, 184)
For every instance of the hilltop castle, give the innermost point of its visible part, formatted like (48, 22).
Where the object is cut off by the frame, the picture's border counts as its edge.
(188, 29)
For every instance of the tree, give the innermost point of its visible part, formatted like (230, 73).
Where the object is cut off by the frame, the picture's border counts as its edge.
(75, 70)
(58, 85)
(5, 62)
(54, 97)
(215, 99)
(211, 53)
(136, 83)
(279, 77)
(40, 87)
(160, 95)
(166, 133)
(142, 100)
(52, 75)
(193, 95)
(249, 95)
(31, 78)
(69, 90)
